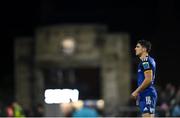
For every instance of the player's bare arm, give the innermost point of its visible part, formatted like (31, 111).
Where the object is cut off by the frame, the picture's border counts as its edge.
(148, 78)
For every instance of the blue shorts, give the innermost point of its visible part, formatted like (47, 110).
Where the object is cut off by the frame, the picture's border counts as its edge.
(147, 104)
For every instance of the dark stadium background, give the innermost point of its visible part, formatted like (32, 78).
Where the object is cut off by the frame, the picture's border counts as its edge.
(154, 20)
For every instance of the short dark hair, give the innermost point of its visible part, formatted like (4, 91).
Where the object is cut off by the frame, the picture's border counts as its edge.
(146, 44)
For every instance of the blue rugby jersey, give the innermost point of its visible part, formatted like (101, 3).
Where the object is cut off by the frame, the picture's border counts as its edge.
(147, 63)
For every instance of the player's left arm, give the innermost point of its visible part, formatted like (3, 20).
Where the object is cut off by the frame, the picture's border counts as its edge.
(148, 74)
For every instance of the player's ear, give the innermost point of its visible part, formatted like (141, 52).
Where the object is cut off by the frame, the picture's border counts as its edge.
(144, 49)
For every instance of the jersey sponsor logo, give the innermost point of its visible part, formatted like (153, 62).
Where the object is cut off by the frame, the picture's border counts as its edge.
(146, 65)
(139, 70)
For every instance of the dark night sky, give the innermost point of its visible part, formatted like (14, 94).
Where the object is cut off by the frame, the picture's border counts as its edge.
(154, 20)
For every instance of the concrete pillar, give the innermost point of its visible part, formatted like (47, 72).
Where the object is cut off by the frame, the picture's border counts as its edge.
(115, 72)
(39, 87)
(22, 71)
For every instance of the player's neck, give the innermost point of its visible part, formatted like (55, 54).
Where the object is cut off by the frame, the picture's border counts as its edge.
(144, 55)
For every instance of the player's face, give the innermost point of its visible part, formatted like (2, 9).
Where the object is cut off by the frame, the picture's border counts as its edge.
(139, 49)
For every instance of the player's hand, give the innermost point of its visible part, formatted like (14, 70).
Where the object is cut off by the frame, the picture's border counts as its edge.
(134, 95)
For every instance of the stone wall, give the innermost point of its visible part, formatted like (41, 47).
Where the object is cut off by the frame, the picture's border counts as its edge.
(93, 47)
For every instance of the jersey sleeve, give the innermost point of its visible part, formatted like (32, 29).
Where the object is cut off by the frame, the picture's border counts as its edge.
(146, 65)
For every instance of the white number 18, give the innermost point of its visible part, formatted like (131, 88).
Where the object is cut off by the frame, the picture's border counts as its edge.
(148, 100)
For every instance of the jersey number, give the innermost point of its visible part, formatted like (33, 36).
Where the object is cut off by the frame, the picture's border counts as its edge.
(148, 100)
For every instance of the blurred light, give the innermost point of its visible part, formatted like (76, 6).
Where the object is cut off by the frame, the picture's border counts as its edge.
(56, 96)
(78, 105)
(100, 104)
(66, 108)
(68, 45)
(90, 103)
